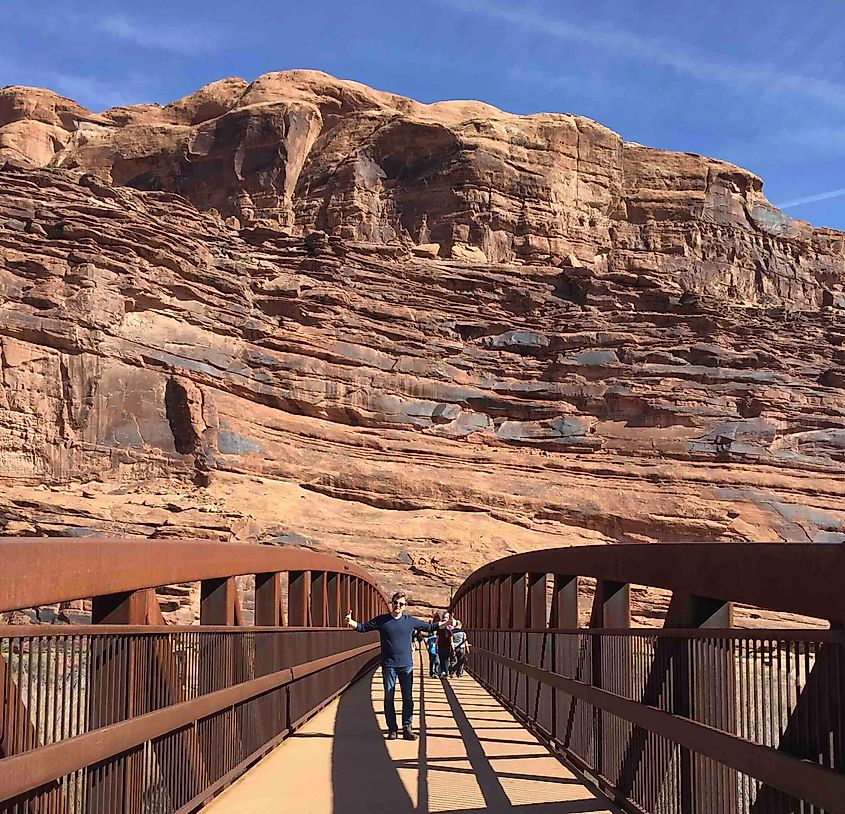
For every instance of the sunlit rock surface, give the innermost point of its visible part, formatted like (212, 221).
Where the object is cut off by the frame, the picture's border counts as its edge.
(305, 312)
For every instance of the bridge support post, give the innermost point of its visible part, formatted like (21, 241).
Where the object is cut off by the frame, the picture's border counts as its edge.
(217, 601)
(116, 691)
(333, 600)
(519, 585)
(564, 615)
(362, 602)
(709, 697)
(484, 622)
(129, 608)
(222, 661)
(345, 597)
(538, 697)
(354, 599)
(495, 637)
(611, 609)
(503, 640)
(319, 605)
(700, 673)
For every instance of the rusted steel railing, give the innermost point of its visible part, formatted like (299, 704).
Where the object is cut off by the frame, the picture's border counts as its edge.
(697, 717)
(129, 716)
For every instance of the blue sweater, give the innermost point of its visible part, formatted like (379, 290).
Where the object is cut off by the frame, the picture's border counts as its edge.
(396, 637)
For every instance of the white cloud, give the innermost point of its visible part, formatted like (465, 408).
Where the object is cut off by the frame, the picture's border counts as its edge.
(821, 139)
(176, 39)
(668, 54)
(89, 91)
(821, 196)
(93, 93)
(147, 33)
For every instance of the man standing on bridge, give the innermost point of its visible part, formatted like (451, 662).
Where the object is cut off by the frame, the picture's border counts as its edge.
(396, 630)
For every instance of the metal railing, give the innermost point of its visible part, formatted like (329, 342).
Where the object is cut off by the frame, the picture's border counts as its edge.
(129, 715)
(696, 717)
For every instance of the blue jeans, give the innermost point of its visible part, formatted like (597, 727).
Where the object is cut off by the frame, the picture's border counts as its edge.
(445, 654)
(405, 677)
(433, 663)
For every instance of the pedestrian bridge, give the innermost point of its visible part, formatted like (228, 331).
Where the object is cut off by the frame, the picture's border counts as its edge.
(128, 716)
(472, 756)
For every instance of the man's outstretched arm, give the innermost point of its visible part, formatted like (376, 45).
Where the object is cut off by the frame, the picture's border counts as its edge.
(361, 627)
(430, 627)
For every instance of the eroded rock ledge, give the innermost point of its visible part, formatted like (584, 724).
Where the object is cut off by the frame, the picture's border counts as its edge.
(610, 343)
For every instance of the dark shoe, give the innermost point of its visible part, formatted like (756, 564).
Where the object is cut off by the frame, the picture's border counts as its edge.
(408, 734)
(392, 735)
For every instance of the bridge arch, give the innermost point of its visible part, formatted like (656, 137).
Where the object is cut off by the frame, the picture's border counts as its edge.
(695, 716)
(131, 715)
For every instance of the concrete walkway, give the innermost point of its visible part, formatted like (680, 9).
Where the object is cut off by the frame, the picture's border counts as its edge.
(471, 757)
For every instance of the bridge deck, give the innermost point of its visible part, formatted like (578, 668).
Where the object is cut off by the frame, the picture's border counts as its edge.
(471, 757)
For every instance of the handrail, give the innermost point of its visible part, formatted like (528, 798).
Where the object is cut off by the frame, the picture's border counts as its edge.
(695, 714)
(28, 770)
(813, 784)
(97, 718)
(44, 571)
(803, 578)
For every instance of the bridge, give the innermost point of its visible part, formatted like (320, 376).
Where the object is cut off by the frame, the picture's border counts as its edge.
(272, 705)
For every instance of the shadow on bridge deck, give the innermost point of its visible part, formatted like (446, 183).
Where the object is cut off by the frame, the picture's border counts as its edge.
(471, 757)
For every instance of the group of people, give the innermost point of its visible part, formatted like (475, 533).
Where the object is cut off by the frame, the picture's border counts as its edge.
(447, 647)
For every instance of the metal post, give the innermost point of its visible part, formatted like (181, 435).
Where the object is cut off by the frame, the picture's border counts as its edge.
(355, 599)
(704, 685)
(502, 586)
(537, 704)
(129, 608)
(519, 585)
(115, 693)
(345, 597)
(611, 609)
(217, 601)
(564, 615)
(333, 599)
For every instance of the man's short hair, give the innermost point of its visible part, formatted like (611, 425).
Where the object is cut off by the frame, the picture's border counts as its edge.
(399, 595)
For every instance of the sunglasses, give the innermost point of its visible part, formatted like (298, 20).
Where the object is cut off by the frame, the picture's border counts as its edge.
(397, 602)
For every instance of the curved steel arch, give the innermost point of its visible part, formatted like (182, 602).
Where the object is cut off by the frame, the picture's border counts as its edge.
(44, 571)
(119, 710)
(717, 720)
(803, 578)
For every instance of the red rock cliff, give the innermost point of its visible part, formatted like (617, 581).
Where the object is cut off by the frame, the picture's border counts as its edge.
(424, 336)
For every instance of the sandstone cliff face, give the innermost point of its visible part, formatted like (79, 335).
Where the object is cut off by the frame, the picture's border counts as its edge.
(423, 336)
(463, 179)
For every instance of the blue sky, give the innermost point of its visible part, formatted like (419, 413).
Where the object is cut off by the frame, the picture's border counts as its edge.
(758, 82)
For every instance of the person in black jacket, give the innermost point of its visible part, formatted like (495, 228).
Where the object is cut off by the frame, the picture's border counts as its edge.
(397, 631)
(445, 650)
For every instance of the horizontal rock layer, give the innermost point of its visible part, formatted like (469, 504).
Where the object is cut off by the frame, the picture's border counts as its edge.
(443, 335)
(463, 180)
